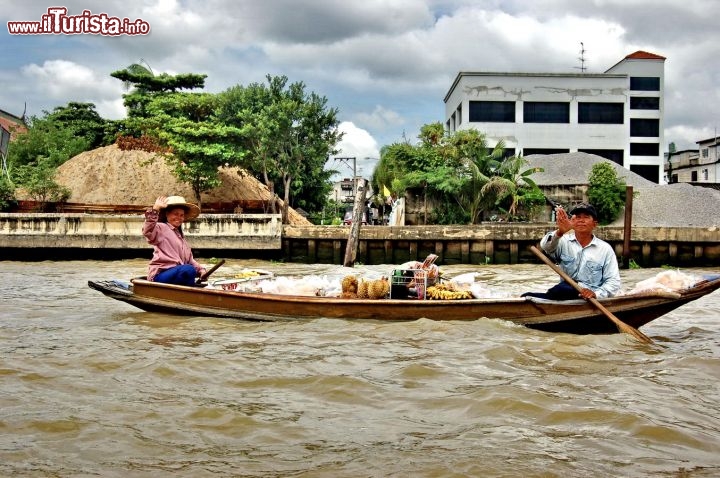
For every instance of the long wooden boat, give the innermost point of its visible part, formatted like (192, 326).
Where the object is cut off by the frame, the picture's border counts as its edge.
(574, 316)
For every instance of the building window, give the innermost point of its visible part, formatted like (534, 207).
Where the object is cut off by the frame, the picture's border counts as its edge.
(645, 128)
(644, 149)
(508, 153)
(645, 83)
(492, 111)
(693, 176)
(651, 173)
(601, 113)
(459, 115)
(705, 174)
(644, 103)
(614, 155)
(546, 112)
(529, 151)
(674, 178)
(704, 152)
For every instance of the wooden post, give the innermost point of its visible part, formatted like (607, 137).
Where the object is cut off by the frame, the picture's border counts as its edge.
(413, 250)
(337, 252)
(514, 252)
(389, 256)
(627, 231)
(354, 238)
(312, 251)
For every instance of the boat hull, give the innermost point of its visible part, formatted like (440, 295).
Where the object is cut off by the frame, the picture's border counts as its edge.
(576, 316)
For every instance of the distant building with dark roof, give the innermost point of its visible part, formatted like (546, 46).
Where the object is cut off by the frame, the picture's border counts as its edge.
(697, 166)
(13, 124)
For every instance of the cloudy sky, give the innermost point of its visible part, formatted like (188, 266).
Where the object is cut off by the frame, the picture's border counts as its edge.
(385, 64)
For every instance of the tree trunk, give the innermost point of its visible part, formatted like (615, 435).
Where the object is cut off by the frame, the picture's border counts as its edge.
(271, 188)
(286, 202)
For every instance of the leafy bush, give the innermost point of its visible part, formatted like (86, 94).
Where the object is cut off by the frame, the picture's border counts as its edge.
(606, 191)
(531, 201)
(7, 194)
(447, 213)
(40, 185)
(48, 140)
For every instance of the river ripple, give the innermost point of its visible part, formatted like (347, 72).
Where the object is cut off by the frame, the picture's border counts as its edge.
(94, 387)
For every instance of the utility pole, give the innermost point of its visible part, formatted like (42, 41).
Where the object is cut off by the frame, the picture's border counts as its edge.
(346, 161)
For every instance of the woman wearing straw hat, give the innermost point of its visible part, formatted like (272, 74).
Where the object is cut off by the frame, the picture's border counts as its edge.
(172, 261)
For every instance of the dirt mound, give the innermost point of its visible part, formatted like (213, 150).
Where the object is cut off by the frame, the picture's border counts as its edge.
(574, 168)
(109, 175)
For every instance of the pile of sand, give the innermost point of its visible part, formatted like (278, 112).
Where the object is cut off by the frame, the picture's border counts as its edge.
(654, 205)
(110, 176)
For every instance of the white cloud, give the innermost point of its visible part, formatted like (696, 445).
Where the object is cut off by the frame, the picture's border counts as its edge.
(386, 65)
(111, 109)
(379, 118)
(67, 81)
(360, 149)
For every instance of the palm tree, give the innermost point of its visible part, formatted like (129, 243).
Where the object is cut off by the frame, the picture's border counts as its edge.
(478, 168)
(510, 181)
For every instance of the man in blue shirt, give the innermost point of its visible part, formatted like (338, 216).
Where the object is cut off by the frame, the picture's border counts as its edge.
(589, 261)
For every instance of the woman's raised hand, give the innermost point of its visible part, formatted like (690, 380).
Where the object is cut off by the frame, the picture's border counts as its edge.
(160, 202)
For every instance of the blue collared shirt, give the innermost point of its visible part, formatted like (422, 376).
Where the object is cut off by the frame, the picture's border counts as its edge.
(594, 266)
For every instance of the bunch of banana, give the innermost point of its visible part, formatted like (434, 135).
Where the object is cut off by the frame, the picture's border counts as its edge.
(445, 292)
(244, 274)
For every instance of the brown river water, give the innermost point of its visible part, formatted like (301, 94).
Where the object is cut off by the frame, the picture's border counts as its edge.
(94, 387)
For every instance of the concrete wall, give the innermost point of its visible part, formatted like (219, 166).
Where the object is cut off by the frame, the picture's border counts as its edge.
(493, 243)
(77, 236)
(210, 231)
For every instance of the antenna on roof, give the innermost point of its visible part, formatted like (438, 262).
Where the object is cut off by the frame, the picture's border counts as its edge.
(582, 58)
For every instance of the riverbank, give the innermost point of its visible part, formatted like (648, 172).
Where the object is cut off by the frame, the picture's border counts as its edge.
(262, 236)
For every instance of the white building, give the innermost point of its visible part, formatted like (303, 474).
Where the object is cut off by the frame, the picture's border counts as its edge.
(617, 114)
(700, 165)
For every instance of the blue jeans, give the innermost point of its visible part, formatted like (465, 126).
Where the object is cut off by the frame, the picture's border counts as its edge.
(561, 291)
(181, 275)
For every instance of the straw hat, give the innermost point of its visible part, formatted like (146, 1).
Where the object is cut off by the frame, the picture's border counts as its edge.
(191, 210)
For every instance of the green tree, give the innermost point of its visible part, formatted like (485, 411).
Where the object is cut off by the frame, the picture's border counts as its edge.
(394, 161)
(48, 143)
(199, 143)
(82, 120)
(451, 169)
(478, 165)
(143, 86)
(512, 183)
(38, 179)
(288, 133)
(7, 193)
(48, 139)
(606, 191)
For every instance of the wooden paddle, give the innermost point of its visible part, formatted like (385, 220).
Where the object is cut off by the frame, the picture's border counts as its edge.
(207, 273)
(622, 326)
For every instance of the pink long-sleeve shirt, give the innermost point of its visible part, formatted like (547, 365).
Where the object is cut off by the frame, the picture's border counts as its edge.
(170, 248)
